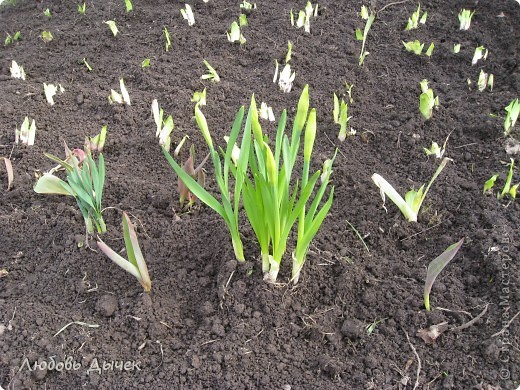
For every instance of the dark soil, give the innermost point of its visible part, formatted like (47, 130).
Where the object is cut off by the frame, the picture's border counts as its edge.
(210, 322)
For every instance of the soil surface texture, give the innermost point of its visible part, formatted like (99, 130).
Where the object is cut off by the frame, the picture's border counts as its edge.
(352, 321)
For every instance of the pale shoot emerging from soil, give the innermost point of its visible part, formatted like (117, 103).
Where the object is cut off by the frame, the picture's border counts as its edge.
(164, 126)
(47, 36)
(485, 80)
(212, 74)
(97, 143)
(85, 182)
(508, 189)
(47, 13)
(415, 47)
(187, 15)
(247, 6)
(304, 17)
(50, 90)
(513, 110)
(266, 112)
(480, 52)
(11, 39)
(456, 48)
(412, 202)
(17, 71)
(168, 43)
(340, 114)
(289, 52)
(121, 98)
(429, 51)
(82, 8)
(135, 265)
(362, 36)
(113, 27)
(416, 18)
(465, 16)
(10, 172)
(26, 133)
(180, 145)
(427, 101)
(199, 98)
(129, 6)
(145, 63)
(87, 65)
(242, 20)
(235, 35)
(435, 268)
(196, 174)
(285, 79)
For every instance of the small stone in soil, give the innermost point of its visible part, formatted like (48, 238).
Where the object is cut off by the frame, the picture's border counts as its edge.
(107, 305)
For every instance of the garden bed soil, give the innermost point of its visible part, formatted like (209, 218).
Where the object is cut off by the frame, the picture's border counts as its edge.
(210, 322)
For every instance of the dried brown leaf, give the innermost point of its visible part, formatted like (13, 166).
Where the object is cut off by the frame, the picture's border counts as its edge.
(429, 335)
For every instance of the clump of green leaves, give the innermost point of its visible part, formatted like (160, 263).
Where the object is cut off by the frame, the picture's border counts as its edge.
(435, 268)
(465, 16)
(47, 36)
(513, 110)
(47, 13)
(145, 63)
(11, 39)
(415, 47)
(113, 27)
(412, 202)
(128, 5)
(135, 265)
(427, 101)
(26, 133)
(436, 150)
(340, 115)
(85, 182)
(164, 126)
(416, 18)
(168, 43)
(362, 36)
(508, 189)
(212, 74)
(121, 98)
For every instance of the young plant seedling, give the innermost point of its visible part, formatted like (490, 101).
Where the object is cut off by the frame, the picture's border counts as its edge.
(247, 6)
(10, 172)
(415, 47)
(485, 80)
(212, 74)
(128, 5)
(435, 268)
(456, 48)
(135, 265)
(235, 35)
(87, 65)
(50, 90)
(26, 133)
(427, 101)
(82, 8)
(47, 36)
(228, 207)
(480, 52)
(97, 143)
(508, 189)
(266, 112)
(416, 18)
(289, 52)
(362, 36)
(11, 39)
(199, 98)
(340, 114)
(180, 145)
(187, 14)
(465, 16)
(371, 327)
(412, 202)
(47, 13)
(304, 17)
(145, 63)
(242, 20)
(17, 72)
(121, 98)
(164, 126)
(196, 174)
(85, 182)
(113, 27)
(168, 43)
(429, 51)
(436, 150)
(513, 110)
(286, 79)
